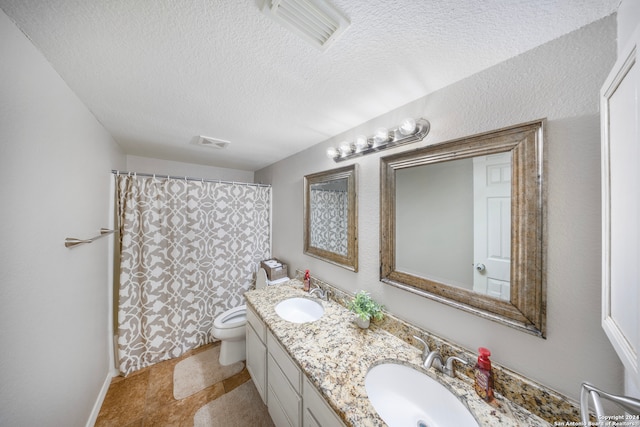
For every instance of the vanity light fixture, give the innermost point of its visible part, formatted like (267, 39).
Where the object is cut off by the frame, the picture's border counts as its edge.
(407, 127)
(345, 148)
(381, 136)
(332, 152)
(361, 142)
(410, 130)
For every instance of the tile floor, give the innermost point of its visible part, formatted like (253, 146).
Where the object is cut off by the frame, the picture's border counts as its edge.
(145, 398)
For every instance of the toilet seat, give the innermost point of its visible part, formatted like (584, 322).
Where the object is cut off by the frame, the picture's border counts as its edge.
(232, 318)
(229, 327)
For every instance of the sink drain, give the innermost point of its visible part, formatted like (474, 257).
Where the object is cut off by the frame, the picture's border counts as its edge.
(422, 424)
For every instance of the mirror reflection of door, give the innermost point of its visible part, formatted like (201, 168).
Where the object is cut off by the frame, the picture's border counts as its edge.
(492, 225)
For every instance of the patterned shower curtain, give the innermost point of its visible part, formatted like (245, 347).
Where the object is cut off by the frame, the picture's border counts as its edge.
(188, 251)
(329, 220)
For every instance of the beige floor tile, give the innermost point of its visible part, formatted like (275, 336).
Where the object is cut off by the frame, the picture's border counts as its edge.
(145, 398)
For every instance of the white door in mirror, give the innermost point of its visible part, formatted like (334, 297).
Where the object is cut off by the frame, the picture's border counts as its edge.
(492, 224)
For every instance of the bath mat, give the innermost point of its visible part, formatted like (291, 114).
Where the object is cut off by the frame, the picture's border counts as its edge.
(200, 371)
(240, 407)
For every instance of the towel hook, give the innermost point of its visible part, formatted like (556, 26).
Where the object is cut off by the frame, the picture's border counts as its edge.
(70, 242)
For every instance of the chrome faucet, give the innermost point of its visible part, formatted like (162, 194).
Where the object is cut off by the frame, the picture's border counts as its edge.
(434, 358)
(449, 368)
(425, 348)
(322, 293)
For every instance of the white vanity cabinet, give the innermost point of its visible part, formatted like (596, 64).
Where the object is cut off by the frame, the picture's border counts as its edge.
(291, 399)
(316, 412)
(620, 118)
(257, 352)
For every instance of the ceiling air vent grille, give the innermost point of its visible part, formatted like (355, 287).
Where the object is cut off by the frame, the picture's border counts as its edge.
(207, 141)
(316, 21)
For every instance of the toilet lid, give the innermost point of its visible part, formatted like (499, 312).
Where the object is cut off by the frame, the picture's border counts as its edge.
(231, 318)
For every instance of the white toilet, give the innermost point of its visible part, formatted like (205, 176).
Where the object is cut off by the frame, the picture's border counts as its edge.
(229, 328)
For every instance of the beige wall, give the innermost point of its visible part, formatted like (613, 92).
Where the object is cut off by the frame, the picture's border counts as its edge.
(441, 213)
(559, 81)
(55, 163)
(168, 167)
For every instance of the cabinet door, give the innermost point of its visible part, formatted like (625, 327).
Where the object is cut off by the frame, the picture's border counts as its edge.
(620, 117)
(317, 413)
(257, 361)
(284, 402)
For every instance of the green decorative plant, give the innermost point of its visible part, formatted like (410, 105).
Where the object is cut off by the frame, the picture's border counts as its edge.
(365, 307)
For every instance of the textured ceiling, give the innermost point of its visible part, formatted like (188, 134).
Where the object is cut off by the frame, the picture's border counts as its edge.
(158, 73)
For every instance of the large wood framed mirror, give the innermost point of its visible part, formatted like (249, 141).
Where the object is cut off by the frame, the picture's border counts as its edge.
(461, 222)
(331, 216)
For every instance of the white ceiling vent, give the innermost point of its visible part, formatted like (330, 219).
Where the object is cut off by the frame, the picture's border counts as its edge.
(316, 21)
(207, 141)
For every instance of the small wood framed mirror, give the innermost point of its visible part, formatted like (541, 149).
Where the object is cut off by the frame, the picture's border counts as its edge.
(331, 216)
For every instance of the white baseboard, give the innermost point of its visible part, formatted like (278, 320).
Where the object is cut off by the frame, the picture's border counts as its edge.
(96, 407)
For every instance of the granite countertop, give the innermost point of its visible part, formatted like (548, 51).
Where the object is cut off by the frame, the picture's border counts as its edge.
(335, 355)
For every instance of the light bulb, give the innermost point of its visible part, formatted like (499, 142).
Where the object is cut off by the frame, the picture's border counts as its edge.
(361, 142)
(407, 127)
(381, 135)
(332, 152)
(345, 148)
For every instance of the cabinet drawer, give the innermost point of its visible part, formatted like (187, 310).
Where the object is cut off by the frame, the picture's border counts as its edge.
(258, 325)
(287, 365)
(281, 395)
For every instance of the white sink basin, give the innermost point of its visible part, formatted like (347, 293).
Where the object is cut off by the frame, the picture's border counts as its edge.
(299, 310)
(404, 397)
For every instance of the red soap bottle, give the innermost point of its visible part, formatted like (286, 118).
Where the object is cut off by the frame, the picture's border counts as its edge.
(306, 282)
(484, 376)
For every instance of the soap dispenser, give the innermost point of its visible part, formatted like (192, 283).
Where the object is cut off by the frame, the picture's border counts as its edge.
(306, 283)
(483, 375)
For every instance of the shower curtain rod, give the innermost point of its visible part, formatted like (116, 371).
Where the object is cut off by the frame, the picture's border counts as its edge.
(186, 178)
